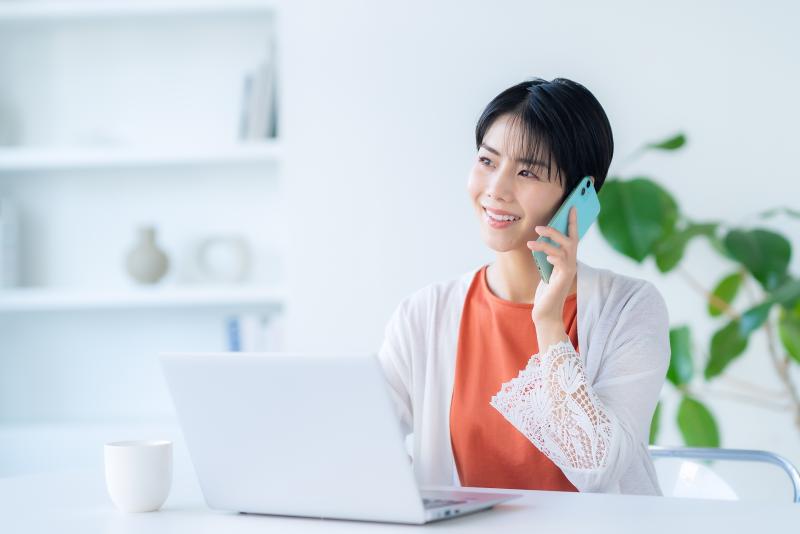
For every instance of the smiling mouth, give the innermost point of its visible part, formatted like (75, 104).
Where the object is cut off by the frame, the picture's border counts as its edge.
(500, 218)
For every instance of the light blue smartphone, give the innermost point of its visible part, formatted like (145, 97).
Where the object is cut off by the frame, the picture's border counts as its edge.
(584, 198)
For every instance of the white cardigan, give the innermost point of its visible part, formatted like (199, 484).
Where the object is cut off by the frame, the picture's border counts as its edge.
(623, 336)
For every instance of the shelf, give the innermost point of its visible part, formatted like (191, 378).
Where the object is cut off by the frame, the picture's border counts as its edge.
(26, 447)
(17, 11)
(29, 159)
(51, 299)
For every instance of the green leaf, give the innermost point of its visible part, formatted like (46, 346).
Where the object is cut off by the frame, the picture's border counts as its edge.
(775, 211)
(654, 424)
(707, 229)
(697, 424)
(670, 143)
(635, 215)
(764, 253)
(669, 251)
(719, 246)
(753, 318)
(788, 294)
(725, 290)
(680, 362)
(726, 344)
(789, 331)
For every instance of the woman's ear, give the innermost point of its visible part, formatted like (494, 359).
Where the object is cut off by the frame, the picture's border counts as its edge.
(592, 178)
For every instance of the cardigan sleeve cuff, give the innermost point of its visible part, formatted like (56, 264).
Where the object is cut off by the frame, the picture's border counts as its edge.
(553, 405)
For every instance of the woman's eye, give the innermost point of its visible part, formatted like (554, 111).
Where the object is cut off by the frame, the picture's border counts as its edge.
(485, 161)
(529, 174)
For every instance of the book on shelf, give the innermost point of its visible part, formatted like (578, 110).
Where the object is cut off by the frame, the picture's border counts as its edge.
(9, 244)
(258, 113)
(244, 118)
(254, 332)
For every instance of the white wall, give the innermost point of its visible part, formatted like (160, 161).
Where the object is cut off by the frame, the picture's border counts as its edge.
(379, 105)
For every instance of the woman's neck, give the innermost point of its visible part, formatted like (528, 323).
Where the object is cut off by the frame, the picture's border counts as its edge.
(513, 276)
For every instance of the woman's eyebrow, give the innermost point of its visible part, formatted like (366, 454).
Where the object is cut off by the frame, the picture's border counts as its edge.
(526, 161)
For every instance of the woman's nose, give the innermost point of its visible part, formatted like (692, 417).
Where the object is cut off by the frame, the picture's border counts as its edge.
(499, 184)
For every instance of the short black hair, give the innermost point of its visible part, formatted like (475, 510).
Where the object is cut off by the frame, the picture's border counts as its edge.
(560, 119)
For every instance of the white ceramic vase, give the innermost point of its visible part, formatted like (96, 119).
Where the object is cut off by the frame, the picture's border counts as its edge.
(146, 262)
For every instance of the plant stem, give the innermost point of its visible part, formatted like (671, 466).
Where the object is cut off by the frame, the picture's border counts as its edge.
(731, 395)
(749, 288)
(781, 367)
(754, 388)
(629, 158)
(720, 304)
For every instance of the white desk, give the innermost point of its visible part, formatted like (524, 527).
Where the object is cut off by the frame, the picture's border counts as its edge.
(76, 502)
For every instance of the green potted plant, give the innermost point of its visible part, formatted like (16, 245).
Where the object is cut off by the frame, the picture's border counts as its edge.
(640, 219)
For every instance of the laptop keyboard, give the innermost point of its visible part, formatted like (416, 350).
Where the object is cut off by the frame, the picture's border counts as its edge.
(438, 503)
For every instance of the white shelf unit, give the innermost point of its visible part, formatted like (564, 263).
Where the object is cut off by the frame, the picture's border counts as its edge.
(59, 11)
(34, 159)
(130, 114)
(38, 299)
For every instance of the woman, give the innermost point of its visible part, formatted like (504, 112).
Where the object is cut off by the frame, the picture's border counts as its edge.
(508, 381)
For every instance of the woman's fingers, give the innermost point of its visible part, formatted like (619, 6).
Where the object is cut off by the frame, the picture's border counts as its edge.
(572, 225)
(552, 233)
(558, 237)
(547, 248)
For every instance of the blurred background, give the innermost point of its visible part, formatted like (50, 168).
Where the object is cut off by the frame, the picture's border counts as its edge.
(252, 175)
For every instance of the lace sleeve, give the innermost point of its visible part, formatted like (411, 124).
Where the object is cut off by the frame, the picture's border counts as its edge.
(552, 404)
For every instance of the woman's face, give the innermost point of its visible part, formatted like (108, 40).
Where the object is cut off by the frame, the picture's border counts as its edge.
(499, 181)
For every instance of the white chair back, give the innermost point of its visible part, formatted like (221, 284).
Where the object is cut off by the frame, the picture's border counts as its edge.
(682, 473)
(686, 478)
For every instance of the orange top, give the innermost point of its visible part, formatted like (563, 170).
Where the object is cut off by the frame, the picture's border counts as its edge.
(496, 339)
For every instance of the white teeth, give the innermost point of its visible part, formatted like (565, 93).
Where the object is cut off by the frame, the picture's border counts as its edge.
(501, 217)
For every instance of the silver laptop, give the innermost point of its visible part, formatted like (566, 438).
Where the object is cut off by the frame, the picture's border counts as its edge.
(302, 434)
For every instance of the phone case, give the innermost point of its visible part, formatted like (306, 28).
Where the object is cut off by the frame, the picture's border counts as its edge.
(584, 198)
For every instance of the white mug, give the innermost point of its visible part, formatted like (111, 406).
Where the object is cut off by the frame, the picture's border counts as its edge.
(138, 474)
